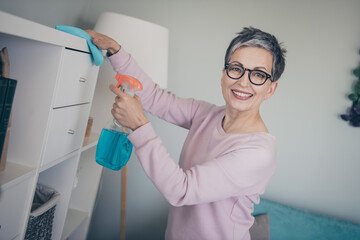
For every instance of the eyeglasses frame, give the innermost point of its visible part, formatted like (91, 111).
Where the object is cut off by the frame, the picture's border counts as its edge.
(227, 65)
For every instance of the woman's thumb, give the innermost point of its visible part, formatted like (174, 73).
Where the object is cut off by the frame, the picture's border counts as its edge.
(116, 90)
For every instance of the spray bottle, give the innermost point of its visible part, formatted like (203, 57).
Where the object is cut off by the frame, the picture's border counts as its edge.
(114, 148)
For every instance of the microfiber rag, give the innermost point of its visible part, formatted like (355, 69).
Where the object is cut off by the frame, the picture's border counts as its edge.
(95, 51)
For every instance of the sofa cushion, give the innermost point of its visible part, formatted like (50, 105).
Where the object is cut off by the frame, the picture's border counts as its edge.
(292, 223)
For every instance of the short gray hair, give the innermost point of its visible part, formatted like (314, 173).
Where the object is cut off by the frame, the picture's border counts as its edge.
(253, 37)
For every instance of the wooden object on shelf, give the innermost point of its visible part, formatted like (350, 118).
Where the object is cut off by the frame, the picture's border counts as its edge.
(4, 63)
(89, 126)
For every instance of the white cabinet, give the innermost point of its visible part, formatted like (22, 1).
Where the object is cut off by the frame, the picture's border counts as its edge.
(56, 82)
(66, 131)
(76, 84)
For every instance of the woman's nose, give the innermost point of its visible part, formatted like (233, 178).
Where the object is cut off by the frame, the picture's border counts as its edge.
(244, 80)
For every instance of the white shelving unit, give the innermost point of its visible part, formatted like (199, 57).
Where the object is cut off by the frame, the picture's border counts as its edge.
(49, 116)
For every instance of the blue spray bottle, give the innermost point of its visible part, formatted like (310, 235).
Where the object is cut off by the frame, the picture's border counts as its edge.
(114, 148)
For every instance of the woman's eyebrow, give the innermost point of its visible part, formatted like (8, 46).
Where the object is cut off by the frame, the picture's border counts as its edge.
(239, 63)
(257, 68)
(260, 68)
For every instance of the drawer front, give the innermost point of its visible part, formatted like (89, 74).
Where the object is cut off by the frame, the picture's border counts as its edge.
(66, 132)
(12, 209)
(77, 79)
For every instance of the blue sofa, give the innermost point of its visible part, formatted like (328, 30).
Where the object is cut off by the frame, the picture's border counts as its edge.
(287, 222)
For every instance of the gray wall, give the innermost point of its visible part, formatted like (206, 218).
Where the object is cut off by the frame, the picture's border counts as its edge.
(318, 156)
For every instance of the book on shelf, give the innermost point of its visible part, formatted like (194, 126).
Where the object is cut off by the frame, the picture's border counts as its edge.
(7, 93)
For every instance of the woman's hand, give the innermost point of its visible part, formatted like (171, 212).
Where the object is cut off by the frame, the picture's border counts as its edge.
(128, 110)
(104, 42)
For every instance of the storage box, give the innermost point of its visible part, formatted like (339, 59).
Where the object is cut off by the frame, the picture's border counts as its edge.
(42, 213)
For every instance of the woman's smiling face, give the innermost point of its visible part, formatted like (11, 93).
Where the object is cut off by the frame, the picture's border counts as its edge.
(241, 95)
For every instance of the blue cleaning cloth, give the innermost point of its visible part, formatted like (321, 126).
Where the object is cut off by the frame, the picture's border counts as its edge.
(95, 51)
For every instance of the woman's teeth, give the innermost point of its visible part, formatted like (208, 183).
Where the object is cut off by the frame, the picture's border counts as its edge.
(240, 94)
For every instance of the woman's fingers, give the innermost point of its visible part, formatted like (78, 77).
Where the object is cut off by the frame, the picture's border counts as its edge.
(104, 42)
(116, 90)
(128, 110)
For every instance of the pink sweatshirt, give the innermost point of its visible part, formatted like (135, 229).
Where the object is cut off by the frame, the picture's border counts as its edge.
(219, 176)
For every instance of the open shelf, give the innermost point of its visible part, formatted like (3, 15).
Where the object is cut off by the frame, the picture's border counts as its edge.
(90, 141)
(13, 174)
(73, 220)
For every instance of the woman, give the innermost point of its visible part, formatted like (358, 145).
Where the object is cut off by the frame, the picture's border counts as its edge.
(228, 156)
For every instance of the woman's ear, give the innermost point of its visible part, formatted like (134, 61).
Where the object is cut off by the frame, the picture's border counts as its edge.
(271, 90)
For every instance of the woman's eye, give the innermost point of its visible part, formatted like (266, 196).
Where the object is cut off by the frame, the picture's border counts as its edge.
(259, 75)
(236, 69)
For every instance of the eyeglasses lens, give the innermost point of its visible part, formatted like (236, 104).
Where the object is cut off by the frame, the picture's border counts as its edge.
(235, 71)
(257, 77)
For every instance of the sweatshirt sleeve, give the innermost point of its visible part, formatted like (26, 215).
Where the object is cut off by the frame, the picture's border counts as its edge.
(157, 101)
(240, 172)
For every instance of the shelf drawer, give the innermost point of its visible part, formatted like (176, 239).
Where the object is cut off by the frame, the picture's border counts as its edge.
(66, 132)
(77, 79)
(13, 203)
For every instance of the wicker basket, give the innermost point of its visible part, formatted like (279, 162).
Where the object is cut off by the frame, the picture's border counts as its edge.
(42, 213)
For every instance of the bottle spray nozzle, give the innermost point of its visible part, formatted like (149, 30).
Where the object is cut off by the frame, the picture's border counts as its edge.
(128, 83)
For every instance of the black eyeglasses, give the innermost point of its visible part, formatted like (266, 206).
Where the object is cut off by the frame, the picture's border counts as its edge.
(256, 77)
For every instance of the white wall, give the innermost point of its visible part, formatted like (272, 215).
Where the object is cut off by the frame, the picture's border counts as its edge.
(318, 154)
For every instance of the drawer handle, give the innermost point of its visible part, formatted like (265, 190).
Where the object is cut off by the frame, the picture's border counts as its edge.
(70, 131)
(82, 79)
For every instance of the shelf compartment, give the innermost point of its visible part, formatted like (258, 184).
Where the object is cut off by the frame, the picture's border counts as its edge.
(74, 219)
(14, 174)
(75, 85)
(67, 127)
(90, 141)
(60, 177)
(15, 180)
